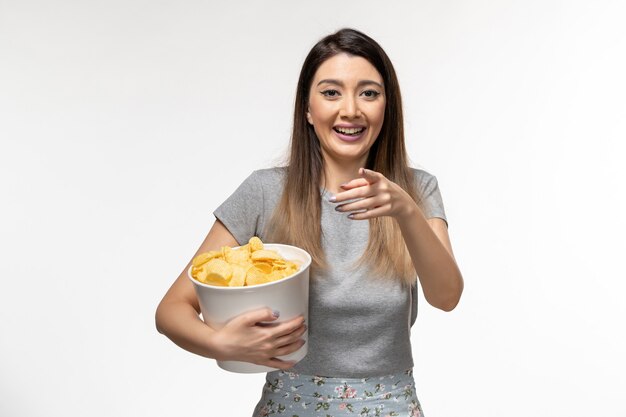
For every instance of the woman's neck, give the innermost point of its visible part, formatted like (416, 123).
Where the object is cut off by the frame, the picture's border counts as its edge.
(339, 172)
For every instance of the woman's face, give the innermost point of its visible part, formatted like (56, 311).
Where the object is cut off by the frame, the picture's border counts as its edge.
(346, 107)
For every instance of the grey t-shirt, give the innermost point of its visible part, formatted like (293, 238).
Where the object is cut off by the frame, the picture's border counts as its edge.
(359, 325)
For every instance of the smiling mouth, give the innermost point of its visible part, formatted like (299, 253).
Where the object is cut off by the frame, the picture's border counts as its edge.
(349, 131)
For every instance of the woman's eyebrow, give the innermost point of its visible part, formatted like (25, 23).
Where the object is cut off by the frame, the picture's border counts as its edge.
(340, 83)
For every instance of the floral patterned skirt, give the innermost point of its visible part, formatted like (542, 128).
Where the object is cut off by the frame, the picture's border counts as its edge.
(294, 395)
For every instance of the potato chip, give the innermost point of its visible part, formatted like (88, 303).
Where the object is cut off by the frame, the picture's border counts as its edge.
(238, 278)
(211, 279)
(255, 244)
(204, 258)
(238, 256)
(247, 265)
(264, 254)
(218, 270)
(255, 277)
(264, 267)
(276, 275)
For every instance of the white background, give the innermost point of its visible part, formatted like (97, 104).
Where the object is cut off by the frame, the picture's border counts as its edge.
(125, 123)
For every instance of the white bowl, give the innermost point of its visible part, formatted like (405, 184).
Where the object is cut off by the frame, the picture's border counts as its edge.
(290, 296)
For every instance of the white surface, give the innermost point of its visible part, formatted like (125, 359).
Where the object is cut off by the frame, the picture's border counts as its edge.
(113, 113)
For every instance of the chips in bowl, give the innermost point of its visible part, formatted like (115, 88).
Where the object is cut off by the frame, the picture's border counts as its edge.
(247, 265)
(232, 281)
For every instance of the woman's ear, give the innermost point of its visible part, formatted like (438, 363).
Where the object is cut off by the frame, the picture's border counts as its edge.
(308, 116)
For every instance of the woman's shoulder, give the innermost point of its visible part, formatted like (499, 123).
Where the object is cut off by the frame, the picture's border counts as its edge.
(428, 193)
(423, 179)
(269, 176)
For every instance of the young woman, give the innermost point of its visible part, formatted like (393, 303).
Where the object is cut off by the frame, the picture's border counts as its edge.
(371, 224)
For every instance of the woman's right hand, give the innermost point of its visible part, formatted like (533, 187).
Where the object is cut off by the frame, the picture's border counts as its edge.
(250, 338)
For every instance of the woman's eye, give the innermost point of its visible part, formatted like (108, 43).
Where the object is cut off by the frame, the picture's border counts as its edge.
(330, 93)
(371, 93)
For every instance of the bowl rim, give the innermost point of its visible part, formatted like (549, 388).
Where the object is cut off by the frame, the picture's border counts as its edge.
(267, 284)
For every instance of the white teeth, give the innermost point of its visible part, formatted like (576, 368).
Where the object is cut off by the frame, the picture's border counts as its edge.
(349, 130)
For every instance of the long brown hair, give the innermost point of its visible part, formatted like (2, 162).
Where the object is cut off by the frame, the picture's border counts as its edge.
(297, 217)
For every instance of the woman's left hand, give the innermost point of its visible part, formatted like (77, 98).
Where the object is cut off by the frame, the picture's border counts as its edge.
(377, 196)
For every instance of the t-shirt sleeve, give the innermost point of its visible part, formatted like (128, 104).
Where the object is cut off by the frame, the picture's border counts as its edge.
(432, 203)
(241, 212)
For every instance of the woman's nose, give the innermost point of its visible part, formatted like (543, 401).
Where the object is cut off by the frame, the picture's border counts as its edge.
(350, 108)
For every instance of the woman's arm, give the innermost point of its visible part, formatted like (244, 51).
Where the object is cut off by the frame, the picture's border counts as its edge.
(427, 240)
(431, 252)
(177, 313)
(177, 317)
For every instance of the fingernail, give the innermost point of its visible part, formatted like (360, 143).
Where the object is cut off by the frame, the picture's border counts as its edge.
(351, 216)
(361, 171)
(343, 185)
(339, 208)
(332, 198)
(276, 313)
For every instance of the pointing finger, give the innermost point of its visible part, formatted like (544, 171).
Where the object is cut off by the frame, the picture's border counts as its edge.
(357, 182)
(369, 175)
